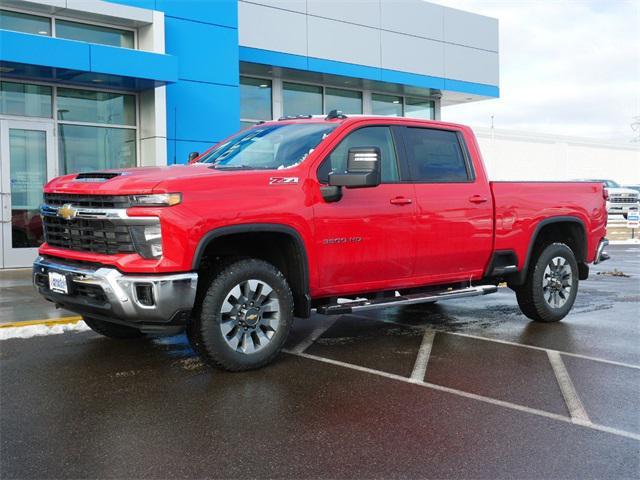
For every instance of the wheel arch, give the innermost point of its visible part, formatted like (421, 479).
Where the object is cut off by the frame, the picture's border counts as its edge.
(295, 266)
(571, 230)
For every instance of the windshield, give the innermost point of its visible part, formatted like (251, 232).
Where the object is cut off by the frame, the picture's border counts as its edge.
(269, 146)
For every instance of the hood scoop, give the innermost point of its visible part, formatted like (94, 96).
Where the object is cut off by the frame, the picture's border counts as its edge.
(96, 176)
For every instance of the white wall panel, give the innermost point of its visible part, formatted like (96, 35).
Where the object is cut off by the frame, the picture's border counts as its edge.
(272, 29)
(413, 17)
(344, 42)
(362, 12)
(411, 54)
(470, 64)
(299, 6)
(469, 29)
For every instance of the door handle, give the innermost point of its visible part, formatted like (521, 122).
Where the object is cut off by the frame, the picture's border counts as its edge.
(400, 201)
(478, 199)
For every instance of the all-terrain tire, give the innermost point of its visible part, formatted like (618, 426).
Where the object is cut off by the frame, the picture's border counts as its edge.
(551, 285)
(217, 325)
(112, 330)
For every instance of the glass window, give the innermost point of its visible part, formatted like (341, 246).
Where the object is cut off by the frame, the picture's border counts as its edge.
(25, 99)
(269, 146)
(386, 105)
(83, 148)
(419, 108)
(28, 173)
(346, 101)
(255, 99)
(96, 107)
(22, 22)
(301, 99)
(94, 34)
(365, 137)
(435, 156)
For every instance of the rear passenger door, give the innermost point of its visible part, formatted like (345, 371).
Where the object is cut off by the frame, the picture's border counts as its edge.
(454, 225)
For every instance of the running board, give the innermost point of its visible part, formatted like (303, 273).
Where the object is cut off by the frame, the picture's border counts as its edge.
(361, 305)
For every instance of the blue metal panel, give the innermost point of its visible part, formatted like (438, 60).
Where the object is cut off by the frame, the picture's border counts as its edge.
(202, 112)
(470, 87)
(345, 69)
(268, 57)
(44, 51)
(178, 150)
(133, 63)
(286, 60)
(406, 78)
(216, 12)
(206, 53)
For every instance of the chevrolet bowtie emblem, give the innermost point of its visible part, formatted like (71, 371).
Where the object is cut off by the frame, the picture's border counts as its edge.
(67, 211)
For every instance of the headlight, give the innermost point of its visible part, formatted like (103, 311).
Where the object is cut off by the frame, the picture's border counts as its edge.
(156, 200)
(147, 240)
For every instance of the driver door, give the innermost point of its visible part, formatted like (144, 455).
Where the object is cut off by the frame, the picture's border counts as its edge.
(365, 241)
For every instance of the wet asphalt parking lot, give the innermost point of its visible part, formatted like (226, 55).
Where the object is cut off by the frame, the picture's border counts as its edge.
(459, 389)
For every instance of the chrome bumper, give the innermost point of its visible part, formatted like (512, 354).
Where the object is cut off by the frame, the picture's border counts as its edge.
(601, 255)
(172, 296)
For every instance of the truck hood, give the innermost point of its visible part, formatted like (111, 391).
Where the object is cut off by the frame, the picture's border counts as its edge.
(129, 181)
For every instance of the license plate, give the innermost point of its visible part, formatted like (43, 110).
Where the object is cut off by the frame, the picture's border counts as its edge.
(58, 282)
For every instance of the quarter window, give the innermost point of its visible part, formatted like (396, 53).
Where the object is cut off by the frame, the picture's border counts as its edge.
(435, 156)
(380, 137)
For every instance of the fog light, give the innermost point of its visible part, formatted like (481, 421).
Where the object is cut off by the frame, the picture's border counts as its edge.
(144, 292)
(148, 240)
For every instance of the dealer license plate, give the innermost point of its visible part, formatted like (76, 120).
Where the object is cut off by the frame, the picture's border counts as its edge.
(58, 282)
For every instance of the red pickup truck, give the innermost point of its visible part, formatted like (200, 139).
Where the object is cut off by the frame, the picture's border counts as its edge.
(330, 214)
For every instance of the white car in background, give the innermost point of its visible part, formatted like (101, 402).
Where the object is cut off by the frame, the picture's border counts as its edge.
(621, 199)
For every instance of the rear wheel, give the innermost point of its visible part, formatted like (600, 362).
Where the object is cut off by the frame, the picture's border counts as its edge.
(245, 316)
(551, 285)
(112, 330)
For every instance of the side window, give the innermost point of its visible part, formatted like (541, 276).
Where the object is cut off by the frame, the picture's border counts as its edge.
(364, 137)
(435, 156)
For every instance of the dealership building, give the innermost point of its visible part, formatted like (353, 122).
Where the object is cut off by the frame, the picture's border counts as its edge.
(89, 84)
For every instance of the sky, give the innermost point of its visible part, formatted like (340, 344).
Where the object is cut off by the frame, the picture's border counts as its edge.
(568, 67)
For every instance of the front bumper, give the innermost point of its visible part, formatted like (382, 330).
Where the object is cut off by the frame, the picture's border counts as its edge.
(622, 207)
(148, 302)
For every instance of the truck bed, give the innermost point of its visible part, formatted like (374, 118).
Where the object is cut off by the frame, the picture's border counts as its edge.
(522, 207)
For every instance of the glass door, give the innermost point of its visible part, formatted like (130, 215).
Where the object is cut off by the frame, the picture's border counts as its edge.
(26, 163)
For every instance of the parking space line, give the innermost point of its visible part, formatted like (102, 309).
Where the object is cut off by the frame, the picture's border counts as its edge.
(473, 396)
(314, 335)
(571, 398)
(45, 321)
(422, 360)
(515, 344)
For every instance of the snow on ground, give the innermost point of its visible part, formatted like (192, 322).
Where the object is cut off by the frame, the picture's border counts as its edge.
(40, 330)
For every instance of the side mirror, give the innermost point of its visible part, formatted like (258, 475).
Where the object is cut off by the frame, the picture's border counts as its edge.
(363, 169)
(193, 156)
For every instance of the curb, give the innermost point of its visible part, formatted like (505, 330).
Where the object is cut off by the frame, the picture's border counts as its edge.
(49, 322)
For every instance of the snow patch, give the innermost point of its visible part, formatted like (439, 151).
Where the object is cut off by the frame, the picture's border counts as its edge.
(634, 241)
(41, 330)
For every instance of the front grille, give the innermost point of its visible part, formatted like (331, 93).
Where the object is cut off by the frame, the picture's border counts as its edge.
(88, 201)
(623, 199)
(88, 235)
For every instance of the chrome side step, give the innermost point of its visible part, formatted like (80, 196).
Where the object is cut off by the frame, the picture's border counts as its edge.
(360, 305)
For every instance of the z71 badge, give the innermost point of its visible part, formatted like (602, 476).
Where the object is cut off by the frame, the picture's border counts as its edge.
(283, 180)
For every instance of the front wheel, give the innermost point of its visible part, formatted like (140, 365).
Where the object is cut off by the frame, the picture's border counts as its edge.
(245, 316)
(551, 285)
